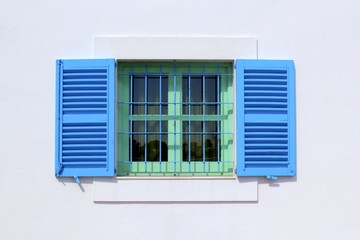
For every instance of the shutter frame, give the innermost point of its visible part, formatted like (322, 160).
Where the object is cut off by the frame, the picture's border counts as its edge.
(84, 117)
(250, 121)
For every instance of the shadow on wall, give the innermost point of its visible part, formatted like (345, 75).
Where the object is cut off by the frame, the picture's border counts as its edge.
(261, 180)
(70, 180)
(276, 183)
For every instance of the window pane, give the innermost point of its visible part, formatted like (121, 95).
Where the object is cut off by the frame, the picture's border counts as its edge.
(164, 94)
(196, 136)
(211, 141)
(153, 141)
(138, 93)
(138, 142)
(196, 94)
(153, 148)
(154, 126)
(153, 94)
(196, 143)
(185, 94)
(138, 127)
(210, 94)
(211, 126)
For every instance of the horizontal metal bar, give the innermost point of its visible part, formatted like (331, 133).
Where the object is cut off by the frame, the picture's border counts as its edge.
(174, 74)
(166, 103)
(156, 133)
(193, 118)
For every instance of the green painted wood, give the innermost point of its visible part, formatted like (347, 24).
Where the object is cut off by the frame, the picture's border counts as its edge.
(175, 164)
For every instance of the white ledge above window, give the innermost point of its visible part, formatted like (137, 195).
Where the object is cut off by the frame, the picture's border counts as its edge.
(180, 48)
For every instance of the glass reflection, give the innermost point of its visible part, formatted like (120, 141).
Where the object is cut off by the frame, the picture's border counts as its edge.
(152, 92)
(153, 141)
(199, 88)
(193, 146)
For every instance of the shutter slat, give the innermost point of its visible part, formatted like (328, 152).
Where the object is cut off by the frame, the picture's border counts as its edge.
(85, 93)
(80, 164)
(265, 99)
(84, 111)
(86, 77)
(265, 118)
(84, 142)
(85, 147)
(265, 94)
(84, 99)
(85, 118)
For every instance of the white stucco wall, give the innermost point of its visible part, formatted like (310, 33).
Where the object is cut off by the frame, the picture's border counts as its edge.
(322, 202)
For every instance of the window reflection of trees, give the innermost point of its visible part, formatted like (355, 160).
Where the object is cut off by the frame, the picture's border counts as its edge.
(153, 151)
(203, 92)
(197, 145)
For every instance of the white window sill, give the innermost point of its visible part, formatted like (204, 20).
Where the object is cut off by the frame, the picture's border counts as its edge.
(175, 190)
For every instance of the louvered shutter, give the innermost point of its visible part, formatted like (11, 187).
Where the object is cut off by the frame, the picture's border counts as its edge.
(85, 117)
(265, 118)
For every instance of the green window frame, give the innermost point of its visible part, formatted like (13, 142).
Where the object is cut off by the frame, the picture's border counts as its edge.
(153, 104)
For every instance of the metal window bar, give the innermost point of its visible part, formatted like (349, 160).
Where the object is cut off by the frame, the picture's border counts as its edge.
(174, 74)
(203, 116)
(175, 103)
(146, 106)
(175, 118)
(191, 103)
(218, 117)
(182, 132)
(131, 113)
(189, 120)
(160, 111)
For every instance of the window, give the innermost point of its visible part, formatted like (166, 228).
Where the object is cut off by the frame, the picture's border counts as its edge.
(175, 118)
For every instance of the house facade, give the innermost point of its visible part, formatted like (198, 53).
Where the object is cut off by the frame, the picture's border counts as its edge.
(201, 195)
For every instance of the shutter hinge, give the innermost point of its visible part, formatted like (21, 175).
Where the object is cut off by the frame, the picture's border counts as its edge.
(59, 170)
(271, 177)
(77, 180)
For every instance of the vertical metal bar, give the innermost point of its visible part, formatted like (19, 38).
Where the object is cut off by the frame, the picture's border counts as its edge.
(131, 113)
(218, 117)
(160, 106)
(189, 123)
(146, 105)
(203, 116)
(175, 118)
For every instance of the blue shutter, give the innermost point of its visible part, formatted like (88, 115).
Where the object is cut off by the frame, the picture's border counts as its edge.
(265, 118)
(85, 117)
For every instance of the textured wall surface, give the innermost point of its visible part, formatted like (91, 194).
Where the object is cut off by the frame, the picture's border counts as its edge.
(322, 202)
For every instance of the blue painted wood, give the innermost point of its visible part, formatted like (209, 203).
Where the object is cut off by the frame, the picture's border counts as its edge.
(85, 118)
(265, 118)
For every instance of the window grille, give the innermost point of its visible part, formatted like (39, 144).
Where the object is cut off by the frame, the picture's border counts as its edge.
(175, 118)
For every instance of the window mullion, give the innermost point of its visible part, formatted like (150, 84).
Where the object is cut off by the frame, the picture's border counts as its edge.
(174, 138)
(177, 120)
